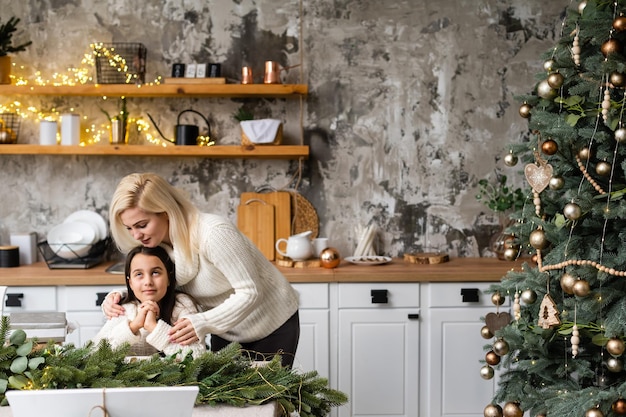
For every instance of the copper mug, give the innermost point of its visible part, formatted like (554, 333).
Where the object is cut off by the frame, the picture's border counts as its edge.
(272, 73)
(246, 75)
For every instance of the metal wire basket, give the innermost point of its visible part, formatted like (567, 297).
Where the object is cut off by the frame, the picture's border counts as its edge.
(9, 127)
(61, 256)
(120, 63)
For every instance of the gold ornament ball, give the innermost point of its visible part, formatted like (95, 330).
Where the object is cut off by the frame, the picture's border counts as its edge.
(581, 288)
(524, 110)
(512, 409)
(611, 46)
(329, 258)
(567, 283)
(615, 346)
(545, 91)
(555, 80)
(556, 183)
(549, 147)
(510, 159)
(620, 135)
(486, 333)
(492, 410)
(594, 412)
(537, 239)
(548, 65)
(617, 79)
(619, 24)
(528, 296)
(501, 347)
(603, 168)
(614, 365)
(497, 299)
(572, 211)
(584, 154)
(511, 253)
(491, 358)
(619, 407)
(486, 372)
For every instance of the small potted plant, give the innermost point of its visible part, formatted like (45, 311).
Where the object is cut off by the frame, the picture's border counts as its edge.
(6, 47)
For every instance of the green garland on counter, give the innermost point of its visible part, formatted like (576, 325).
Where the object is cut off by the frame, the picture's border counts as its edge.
(227, 377)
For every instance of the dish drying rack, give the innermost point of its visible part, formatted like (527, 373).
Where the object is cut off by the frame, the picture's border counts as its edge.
(94, 256)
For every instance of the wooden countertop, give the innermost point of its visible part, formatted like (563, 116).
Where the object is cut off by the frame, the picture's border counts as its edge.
(456, 270)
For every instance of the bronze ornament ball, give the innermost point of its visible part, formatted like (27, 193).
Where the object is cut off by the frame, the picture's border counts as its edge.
(567, 283)
(537, 239)
(617, 79)
(603, 168)
(491, 358)
(594, 412)
(501, 347)
(486, 333)
(329, 258)
(497, 299)
(492, 410)
(611, 46)
(619, 407)
(555, 80)
(614, 365)
(620, 134)
(572, 211)
(510, 160)
(548, 65)
(584, 154)
(615, 346)
(581, 288)
(545, 91)
(549, 147)
(511, 253)
(486, 372)
(528, 296)
(512, 409)
(524, 110)
(556, 183)
(619, 24)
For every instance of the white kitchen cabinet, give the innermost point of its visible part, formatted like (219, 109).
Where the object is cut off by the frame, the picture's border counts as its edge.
(378, 348)
(313, 351)
(30, 299)
(81, 305)
(452, 348)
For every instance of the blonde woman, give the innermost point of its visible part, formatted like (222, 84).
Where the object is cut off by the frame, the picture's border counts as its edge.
(244, 298)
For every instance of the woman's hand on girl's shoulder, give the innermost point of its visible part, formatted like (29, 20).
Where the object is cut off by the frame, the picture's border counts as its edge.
(111, 305)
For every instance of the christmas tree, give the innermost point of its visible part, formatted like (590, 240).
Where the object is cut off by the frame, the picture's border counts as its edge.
(560, 352)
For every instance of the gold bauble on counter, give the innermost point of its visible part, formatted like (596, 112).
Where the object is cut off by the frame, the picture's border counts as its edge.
(329, 258)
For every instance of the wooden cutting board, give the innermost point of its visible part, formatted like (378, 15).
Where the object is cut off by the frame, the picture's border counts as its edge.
(255, 219)
(281, 200)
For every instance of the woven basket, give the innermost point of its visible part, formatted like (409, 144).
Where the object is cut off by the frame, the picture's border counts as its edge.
(245, 140)
(304, 216)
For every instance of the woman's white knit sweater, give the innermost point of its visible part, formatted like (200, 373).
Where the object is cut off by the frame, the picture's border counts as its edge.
(244, 297)
(117, 331)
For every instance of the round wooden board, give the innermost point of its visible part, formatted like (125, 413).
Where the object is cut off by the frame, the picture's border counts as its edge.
(426, 258)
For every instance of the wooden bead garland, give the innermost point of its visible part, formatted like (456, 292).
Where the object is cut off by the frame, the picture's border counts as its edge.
(582, 168)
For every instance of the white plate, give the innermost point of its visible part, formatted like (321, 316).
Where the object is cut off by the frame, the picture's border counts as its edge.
(91, 217)
(368, 260)
(71, 240)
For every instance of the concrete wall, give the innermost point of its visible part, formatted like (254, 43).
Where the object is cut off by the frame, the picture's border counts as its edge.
(410, 104)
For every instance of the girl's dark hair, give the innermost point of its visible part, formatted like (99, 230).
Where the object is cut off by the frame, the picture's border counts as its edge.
(166, 304)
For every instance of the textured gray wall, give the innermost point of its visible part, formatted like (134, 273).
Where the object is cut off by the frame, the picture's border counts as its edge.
(410, 104)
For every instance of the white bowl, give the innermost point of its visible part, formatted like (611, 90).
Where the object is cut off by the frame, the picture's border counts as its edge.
(93, 218)
(71, 240)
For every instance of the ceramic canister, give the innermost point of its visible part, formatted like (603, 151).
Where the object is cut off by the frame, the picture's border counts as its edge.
(70, 129)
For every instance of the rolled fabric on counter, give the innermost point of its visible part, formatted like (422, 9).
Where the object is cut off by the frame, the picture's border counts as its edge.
(9, 256)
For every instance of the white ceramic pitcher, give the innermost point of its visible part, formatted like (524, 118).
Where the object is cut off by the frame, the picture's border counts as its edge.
(297, 247)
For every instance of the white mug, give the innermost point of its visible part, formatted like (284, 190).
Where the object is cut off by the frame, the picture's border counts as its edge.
(319, 244)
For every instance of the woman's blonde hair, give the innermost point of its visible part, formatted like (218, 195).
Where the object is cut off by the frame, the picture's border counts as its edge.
(151, 193)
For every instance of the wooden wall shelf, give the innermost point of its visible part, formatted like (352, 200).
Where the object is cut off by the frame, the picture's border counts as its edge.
(218, 151)
(161, 90)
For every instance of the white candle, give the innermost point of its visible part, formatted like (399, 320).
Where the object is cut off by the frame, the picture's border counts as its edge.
(70, 129)
(48, 132)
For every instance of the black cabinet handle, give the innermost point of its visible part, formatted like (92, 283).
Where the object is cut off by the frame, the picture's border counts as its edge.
(14, 300)
(379, 296)
(414, 316)
(100, 296)
(469, 295)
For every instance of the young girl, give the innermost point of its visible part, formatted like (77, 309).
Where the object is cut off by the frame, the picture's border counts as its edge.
(152, 304)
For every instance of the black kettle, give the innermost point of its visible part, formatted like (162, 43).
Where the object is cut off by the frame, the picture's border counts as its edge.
(184, 134)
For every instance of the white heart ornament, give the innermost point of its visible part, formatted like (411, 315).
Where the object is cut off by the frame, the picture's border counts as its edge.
(538, 176)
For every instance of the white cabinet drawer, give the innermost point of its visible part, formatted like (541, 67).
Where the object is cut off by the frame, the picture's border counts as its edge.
(85, 298)
(312, 295)
(459, 294)
(30, 299)
(382, 294)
